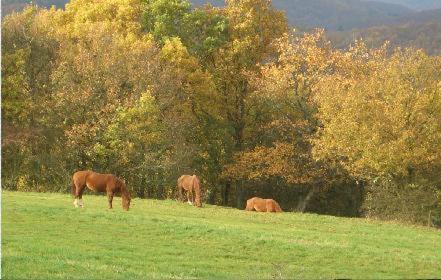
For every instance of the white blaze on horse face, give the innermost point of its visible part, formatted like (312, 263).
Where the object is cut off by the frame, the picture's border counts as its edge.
(76, 203)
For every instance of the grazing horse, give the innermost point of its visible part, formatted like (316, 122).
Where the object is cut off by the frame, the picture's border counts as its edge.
(97, 182)
(262, 205)
(191, 184)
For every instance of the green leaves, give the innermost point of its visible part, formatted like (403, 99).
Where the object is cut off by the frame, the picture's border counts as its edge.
(202, 30)
(153, 89)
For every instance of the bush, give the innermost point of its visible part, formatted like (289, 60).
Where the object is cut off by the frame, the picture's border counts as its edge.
(420, 204)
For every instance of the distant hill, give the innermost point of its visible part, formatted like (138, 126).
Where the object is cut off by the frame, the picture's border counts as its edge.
(8, 6)
(345, 20)
(334, 14)
(421, 17)
(375, 22)
(416, 4)
(422, 30)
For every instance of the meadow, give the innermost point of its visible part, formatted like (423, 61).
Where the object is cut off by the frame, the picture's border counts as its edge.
(45, 237)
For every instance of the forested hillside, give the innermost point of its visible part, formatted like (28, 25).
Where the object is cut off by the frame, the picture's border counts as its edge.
(424, 36)
(416, 4)
(17, 5)
(153, 90)
(421, 30)
(334, 14)
(421, 17)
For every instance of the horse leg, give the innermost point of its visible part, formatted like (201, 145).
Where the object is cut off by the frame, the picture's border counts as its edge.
(110, 198)
(78, 202)
(189, 193)
(74, 193)
(80, 196)
(75, 203)
(180, 193)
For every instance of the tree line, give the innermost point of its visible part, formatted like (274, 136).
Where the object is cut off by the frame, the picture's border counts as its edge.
(153, 89)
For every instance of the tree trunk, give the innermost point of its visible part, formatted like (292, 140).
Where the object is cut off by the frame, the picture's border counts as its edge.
(226, 193)
(212, 196)
(429, 219)
(304, 202)
(359, 200)
(239, 195)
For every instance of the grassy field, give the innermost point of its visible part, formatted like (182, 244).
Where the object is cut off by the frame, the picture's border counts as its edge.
(44, 237)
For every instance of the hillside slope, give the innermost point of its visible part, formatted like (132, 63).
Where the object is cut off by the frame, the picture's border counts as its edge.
(415, 4)
(334, 14)
(44, 237)
(330, 14)
(422, 31)
(16, 5)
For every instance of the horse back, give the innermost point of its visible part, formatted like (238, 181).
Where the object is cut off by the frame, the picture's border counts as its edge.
(273, 206)
(185, 181)
(259, 204)
(100, 182)
(262, 205)
(79, 177)
(95, 181)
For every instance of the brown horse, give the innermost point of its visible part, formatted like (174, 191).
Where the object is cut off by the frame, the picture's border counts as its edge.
(262, 205)
(191, 185)
(97, 182)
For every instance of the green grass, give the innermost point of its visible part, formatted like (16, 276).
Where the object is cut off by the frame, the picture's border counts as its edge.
(45, 237)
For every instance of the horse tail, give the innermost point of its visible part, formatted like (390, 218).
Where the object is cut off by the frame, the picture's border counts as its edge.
(179, 187)
(277, 207)
(73, 187)
(178, 182)
(197, 190)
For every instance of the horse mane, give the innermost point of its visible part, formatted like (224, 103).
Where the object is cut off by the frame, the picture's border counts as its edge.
(197, 190)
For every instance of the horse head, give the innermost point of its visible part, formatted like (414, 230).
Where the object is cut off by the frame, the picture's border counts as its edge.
(125, 195)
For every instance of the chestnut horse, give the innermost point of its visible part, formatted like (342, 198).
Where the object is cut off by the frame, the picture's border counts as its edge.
(262, 205)
(97, 182)
(191, 185)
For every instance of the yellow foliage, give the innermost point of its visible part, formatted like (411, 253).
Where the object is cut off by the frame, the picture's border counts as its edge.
(84, 16)
(381, 116)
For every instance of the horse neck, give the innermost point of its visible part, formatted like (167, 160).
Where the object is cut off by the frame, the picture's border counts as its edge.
(123, 189)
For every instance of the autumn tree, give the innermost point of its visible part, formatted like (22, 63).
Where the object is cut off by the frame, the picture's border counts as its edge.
(253, 27)
(29, 50)
(190, 107)
(380, 119)
(282, 117)
(202, 30)
(152, 89)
